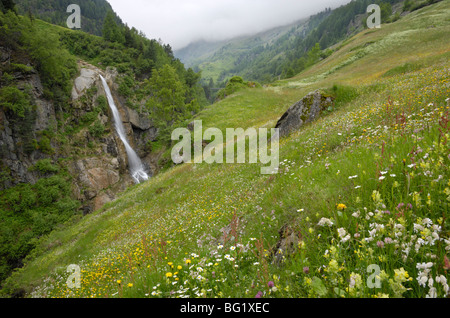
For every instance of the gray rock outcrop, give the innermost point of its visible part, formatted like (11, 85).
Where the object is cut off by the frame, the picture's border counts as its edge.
(304, 111)
(86, 80)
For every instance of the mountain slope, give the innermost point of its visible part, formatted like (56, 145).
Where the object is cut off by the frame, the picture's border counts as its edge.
(93, 12)
(365, 185)
(220, 60)
(259, 59)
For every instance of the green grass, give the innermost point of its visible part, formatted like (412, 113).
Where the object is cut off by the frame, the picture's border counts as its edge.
(405, 68)
(376, 167)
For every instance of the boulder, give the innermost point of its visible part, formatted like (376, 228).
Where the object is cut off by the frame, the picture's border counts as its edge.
(304, 111)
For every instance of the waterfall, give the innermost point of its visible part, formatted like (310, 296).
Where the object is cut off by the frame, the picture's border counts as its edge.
(137, 170)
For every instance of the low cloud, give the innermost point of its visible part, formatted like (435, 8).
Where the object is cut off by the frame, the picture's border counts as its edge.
(181, 22)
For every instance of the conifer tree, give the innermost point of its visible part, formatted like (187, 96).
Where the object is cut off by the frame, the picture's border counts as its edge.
(111, 31)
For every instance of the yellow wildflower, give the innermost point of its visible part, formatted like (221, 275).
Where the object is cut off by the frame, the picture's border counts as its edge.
(401, 275)
(333, 266)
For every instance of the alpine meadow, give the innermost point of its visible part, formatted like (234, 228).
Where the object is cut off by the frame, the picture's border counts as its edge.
(357, 206)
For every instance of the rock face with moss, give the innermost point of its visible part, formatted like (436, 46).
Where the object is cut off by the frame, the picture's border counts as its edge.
(25, 114)
(84, 141)
(101, 172)
(307, 110)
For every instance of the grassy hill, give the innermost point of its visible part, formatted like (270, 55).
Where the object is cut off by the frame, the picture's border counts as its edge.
(366, 184)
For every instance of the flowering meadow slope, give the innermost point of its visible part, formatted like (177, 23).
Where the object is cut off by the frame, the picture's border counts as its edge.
(359, 207)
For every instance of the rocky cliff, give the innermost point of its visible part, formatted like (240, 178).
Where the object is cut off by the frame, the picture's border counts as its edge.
(83, 139)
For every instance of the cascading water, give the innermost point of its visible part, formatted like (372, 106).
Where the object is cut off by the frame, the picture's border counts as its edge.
(137, 170)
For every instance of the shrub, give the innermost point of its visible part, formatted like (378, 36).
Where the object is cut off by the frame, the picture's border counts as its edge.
(45, 166)
(408, 5)
(49, 190)
(21, 68)
(89, 117)
(97, 130)
(343, 94)
(126, 85)
(236, 79)
(15, 100)
(29, 212)
(45, 145)
(6, 79)
(235, 84)
(102, 104)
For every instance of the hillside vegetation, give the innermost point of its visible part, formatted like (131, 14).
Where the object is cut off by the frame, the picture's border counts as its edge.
(365, 187)
(93, 12)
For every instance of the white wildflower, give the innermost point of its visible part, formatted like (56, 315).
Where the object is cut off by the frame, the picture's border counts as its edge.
(325, 221)
(432, 293)
(422, 280)
(343, 235)
(418, 228)
(424, 265)
(427, 222)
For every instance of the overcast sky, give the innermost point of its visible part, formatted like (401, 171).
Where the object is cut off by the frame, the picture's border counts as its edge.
(180, 22)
